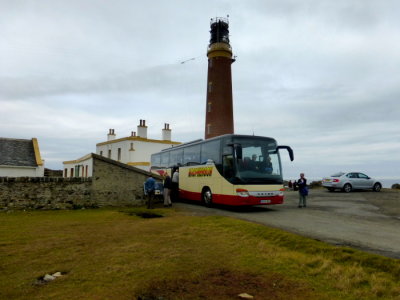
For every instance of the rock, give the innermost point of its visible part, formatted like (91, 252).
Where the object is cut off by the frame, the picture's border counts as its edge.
(57, 274)
(48, 277)
(245, 296)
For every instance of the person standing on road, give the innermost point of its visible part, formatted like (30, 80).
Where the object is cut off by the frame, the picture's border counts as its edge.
(175, 185)
(167, 191)
(149, 187)
(303, 191)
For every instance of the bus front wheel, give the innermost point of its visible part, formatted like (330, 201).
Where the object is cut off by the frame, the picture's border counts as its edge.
(207, 197)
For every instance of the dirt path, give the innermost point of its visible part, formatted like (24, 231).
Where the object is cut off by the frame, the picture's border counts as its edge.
(358, 219)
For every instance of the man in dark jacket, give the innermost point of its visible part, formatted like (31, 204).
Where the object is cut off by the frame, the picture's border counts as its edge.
(167, 191)
(175, 184)
(303, 191)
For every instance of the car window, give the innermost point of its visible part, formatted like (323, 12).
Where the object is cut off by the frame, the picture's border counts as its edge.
(361, 175)
(337, 174)
(352, 175)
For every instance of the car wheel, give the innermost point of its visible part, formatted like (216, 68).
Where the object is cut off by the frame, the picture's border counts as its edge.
(377, 187)
(347, 188)
(331, 189)
(207, 197)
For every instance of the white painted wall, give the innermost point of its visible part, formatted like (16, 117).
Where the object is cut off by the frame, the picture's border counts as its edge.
(132, 151)
(15, 171)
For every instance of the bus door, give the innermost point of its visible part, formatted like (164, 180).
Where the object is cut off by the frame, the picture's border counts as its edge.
(228, 168)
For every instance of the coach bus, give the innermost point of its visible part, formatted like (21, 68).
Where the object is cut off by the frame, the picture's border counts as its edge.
(229, 169)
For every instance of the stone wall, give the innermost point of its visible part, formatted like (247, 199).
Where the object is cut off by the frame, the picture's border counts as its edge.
(45, 193)
(112, 184)
(117, 184)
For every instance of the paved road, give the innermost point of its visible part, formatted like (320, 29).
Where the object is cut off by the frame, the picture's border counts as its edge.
(336, 218)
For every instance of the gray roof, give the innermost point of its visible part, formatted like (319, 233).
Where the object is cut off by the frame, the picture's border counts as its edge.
(17, 152)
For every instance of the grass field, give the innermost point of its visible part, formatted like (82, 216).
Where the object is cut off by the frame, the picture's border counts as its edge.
(113, 254)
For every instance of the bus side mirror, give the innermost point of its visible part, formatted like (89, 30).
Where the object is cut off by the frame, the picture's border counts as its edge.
(288, 149)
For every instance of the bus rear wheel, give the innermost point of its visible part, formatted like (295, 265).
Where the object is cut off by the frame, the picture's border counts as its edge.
(207, 197)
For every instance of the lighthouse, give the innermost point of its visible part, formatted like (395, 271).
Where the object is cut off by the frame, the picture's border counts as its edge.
(219, 106)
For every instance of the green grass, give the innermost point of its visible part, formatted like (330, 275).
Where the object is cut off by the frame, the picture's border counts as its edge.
(111, 254)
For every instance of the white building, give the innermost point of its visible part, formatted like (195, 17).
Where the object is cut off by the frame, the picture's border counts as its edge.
(81, 167)
(134, 150)
(20, 158)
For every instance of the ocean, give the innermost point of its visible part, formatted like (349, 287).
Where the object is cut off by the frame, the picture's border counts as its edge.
(387, 183)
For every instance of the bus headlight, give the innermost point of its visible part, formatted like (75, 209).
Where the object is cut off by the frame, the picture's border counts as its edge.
(242, 192)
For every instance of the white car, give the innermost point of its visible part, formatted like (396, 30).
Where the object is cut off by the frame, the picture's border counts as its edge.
(351, 181)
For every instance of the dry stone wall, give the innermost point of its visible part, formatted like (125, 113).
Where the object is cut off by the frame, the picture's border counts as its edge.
(112, 184)
(45, 193)
(117, 184)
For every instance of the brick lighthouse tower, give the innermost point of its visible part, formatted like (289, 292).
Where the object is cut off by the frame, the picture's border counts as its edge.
(219, 108)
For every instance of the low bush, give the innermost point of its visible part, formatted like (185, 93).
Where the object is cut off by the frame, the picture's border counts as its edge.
(396, 186)
(315, 184)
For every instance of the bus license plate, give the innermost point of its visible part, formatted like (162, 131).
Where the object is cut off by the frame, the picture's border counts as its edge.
(265, 201)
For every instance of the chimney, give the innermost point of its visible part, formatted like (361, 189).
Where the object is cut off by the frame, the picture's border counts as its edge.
(166, 133)
(133, 133)
(111, 135)
(142, 129)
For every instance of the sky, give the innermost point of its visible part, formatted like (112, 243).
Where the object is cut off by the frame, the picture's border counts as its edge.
(320, 76)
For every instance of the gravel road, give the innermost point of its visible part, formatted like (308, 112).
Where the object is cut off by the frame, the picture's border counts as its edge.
(362, 219)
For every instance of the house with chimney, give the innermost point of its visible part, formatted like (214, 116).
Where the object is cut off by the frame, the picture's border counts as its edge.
(134, 150)
(20, 158)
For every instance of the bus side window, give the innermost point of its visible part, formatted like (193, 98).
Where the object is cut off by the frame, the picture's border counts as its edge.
(191, 155)
(176, 157)
(156, 160)
(165, 159)
(211, 150)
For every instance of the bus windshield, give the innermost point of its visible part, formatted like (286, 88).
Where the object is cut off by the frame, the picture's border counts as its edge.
(260, 162)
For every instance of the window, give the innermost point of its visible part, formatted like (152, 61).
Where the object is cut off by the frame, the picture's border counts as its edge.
(352, 175)
(87, 167)
(131, 147)
(211, 150)
(260, 163)
(208, 128)
(119, 153)
(337, 174)
(156, 160)
(72, 172)
(165, 159)
(363, 176)
(191, 154)
(65, 172)
(101, 153)
(109, 153)
(209, 107)
(176, 157)
(210, 87)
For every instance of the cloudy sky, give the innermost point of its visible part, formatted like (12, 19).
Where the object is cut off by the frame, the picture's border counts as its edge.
(320, 76)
